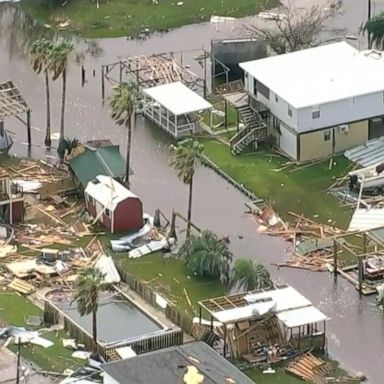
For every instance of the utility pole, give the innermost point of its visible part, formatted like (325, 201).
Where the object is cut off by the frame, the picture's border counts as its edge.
(18, 361)
(369, 18)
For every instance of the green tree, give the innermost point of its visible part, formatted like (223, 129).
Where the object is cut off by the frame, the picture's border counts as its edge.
(40, 57)
(374, 28)
(122, 106)
(184, 160)
(88, 286)
(58, 62)
(207, 255)
(249, 275)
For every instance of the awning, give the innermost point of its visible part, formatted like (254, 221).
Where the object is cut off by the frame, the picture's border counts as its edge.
(366, 219)
(301, 316)
(177, 98)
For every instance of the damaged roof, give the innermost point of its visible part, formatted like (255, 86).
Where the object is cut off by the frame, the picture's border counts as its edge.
(186, 364)
(11, 101)
(105, 160)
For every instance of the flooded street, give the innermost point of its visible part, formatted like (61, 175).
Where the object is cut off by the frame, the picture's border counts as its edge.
(356, 332)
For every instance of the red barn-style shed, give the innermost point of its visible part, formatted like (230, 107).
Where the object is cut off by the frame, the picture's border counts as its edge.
(115, 207)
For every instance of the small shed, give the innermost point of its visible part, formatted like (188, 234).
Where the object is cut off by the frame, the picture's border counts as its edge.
(97, 160)
(174, 108)
(113, 205)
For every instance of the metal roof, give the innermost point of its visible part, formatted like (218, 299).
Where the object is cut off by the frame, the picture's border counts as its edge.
(100, 161)
(365, 219)
(370, 153)
(11, 101)
(108, 192)
(319, 75)
(171, 365)
(177, 98)
(301, 316)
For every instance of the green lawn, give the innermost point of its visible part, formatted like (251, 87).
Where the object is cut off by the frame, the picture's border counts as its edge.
(280, 377)
(169, 276)
(131, 17)
(302, 191)
(14, 309)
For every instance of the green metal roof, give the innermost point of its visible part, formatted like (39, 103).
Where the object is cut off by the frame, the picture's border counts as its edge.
(101, 161)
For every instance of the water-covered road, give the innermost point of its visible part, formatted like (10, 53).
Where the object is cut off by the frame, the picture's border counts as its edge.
(356, 331)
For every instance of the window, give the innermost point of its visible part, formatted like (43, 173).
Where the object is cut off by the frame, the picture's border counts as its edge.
(261, 88)
(327, 135)
(289, 111)
(108, 213)
(91, 200)
(315, 112)
(276, 99)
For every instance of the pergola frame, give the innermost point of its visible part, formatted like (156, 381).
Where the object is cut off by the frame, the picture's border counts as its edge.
(12, 104)
(360, 253)
(153, 70)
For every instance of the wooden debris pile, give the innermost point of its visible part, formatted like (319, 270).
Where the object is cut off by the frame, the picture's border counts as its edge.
(312, 241)
(309, 368)
(41, 171)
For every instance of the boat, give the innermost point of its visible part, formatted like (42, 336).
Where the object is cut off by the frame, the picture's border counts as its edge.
(371, 177)
(374, 267)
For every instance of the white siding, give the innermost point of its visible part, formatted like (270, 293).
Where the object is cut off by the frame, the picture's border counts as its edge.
(288, 142)
(278, 108)
(342, 111)
(107, 379)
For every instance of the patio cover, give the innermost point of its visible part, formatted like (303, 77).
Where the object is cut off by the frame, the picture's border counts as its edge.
(301, 316)
(278, 300)
(177, 98)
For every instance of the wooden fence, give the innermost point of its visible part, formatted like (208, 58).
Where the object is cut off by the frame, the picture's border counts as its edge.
(184, 321)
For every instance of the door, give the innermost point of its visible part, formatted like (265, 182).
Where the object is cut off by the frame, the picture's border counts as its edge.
(375, 128)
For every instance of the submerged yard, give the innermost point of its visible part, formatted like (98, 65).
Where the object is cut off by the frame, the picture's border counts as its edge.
(302, 191)
(132, 17)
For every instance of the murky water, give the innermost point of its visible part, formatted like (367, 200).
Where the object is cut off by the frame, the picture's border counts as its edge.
(356, 331)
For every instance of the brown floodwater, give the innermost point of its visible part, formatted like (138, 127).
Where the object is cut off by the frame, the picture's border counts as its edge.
(356, 329)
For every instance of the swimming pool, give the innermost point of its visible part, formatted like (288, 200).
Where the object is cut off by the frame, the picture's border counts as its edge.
(118, 319)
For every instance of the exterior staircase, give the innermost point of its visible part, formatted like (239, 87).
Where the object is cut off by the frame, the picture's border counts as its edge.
(255, 130)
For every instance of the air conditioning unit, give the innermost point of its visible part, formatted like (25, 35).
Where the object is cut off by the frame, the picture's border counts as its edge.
(344, 128)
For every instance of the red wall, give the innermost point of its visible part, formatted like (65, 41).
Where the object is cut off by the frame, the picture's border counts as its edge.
(128, 215)
(17, 212)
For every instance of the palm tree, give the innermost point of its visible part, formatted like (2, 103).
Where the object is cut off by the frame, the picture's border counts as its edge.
(122, 106)
(207, 255)
(374, 28)
(58, 66)
(184, 161)
(40, 56)
(249, 275)
(89, 284)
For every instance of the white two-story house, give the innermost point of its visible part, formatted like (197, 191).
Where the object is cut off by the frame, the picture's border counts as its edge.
(319, 101)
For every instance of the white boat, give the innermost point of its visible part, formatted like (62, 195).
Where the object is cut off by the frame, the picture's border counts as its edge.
(371, 177)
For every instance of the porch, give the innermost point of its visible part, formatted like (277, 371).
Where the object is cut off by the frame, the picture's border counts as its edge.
(174, 108)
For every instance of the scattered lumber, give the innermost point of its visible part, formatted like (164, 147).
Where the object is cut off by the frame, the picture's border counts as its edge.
(309, 368)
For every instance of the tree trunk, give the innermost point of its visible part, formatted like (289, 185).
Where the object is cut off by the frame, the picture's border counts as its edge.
(47, 140)
(61, 139)
(94, 332)
(128, 158)
(189, 209)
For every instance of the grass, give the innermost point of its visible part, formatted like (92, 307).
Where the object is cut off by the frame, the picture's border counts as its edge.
(218, 121)
(280, 377)
(169, 276)
(302, 191)
(14, 310)
(131, 17)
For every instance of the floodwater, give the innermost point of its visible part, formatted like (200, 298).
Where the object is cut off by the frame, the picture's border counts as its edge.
(128, 321)
(356, 331)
